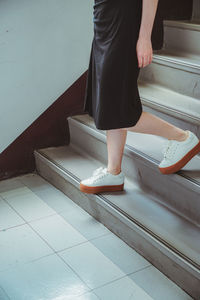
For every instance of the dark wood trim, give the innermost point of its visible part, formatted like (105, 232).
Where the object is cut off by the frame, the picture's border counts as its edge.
(49, 129)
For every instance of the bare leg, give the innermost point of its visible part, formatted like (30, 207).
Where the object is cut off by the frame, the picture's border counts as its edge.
(116, 139)
(152, 124)
(148, 123)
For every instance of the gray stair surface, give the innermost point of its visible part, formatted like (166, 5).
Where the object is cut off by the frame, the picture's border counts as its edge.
(156, 214)
(183, 111)
(178, 71)
(196, 11)
(180, 191)
(182, 35)
(170, 86)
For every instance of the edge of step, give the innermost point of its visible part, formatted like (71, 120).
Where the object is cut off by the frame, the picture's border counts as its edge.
(105, 209)
(134, 144)
(170, 102)
(141, 164)
(183, 24)
(178, 60)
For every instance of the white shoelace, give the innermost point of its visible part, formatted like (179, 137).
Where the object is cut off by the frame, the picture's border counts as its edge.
(99, 171)
(169, 149)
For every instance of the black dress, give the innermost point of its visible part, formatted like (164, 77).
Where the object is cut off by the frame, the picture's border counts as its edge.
(111, 95)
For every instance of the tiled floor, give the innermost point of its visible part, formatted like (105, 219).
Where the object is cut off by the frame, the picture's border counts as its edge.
(52, 249)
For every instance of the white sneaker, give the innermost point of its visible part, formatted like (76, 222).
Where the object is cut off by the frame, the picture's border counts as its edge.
(102, 181)
(177, 154)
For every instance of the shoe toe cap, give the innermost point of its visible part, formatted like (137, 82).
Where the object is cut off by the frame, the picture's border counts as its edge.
(164, 163)
(86, 181)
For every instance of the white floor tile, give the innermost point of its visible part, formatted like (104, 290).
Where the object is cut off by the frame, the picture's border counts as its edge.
(47, 278)
(29, 269)
(48, 193)
(8, 217)
(158, 285)
(88, 226)
(126, 258)
(91, 265)
(87, 296)
(27, 204)
(57, 232)
(123, 288)
(20, 245)
(10, 184)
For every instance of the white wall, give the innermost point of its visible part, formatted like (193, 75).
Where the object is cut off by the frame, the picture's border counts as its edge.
(44, 48)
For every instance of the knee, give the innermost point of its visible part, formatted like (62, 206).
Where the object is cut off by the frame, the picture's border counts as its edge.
(124, 129)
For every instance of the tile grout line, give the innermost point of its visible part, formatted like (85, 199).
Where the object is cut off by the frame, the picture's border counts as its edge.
(85, 293)
(110, 282)
(74, 271)
(25, 221)
(18, 265)
(54, 252)
(11, 227)
(59, 213)
(28, 223)
(121, 277)
(58, 252)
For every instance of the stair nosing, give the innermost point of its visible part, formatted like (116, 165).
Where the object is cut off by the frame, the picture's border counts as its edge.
(154, 102)
(163, 108)
(176, 63)
(146, 158)
(182, 24)
(75, 181)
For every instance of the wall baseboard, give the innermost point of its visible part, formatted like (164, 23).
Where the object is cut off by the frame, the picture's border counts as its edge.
(48, 130)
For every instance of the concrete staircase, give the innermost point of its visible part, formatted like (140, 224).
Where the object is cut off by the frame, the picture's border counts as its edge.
(170, 86)
(158, 215)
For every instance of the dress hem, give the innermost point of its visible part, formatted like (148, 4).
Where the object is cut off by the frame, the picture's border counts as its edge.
(110, 127)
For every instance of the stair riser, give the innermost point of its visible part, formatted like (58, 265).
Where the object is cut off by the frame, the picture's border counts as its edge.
(184, 124)
(176, 192)
(181, 81)
(155, 252)
(182, 39)
(196, 11)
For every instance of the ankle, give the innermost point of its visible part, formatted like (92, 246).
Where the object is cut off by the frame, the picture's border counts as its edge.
(181, 136)
(184, 136)
(114, 171)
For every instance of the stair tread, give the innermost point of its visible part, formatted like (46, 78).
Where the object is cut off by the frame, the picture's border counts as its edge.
(153, 153)
(177, 57)
(185, 24)
(182, 104)
(176, 232)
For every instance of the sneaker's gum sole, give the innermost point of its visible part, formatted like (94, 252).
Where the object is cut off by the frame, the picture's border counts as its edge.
(99, 189)
(181, 163)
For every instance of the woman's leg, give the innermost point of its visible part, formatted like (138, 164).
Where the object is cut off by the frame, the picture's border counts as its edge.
(116, 139)
(152, 124)
(148, 123)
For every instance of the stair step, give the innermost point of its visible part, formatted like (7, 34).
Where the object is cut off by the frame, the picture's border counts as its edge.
(179, 71)
(182, 35)
(183, 111)
(196, 11)
(166, 239)
(179, 191)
